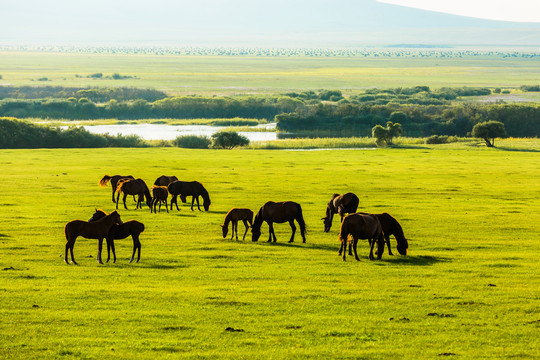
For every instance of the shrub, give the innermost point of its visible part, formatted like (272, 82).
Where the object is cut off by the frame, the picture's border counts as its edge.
(192, 142)
(384, 135)
(228, 140)
(437, 139)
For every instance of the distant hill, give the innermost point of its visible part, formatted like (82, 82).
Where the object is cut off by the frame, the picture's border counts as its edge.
(277, 23)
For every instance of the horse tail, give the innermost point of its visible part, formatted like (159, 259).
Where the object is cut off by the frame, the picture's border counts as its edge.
(344, 230)
(301, 222)
(103, 182)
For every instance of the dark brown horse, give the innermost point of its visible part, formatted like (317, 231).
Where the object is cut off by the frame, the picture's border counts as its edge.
(391, 226)
(233, 216)
(278, 212)
(117, 232)
(133, 187)
(165, 180)
(189, 188)
(114, 182)
(90, 230)
(159, 195)
(361, 226)
(341, 204)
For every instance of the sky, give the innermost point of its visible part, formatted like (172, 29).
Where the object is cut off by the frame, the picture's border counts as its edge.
(507, 10)
(275, 23)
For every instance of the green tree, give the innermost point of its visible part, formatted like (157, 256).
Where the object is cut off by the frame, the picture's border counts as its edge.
(385, 135)
(489, 130)
(228, 140)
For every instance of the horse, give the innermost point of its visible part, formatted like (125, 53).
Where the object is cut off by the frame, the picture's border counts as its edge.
(117, 232)
(278, 212)
(133, 187)
(188, 188)
(361, 226)
(234, 215)
(114, 182)
(159, 195)
(90, 230)
(391, 226)
(165, 180)
(341, 204)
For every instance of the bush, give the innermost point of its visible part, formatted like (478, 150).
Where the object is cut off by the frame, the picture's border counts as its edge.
(228, 140)
(437, 139)
(192, 142)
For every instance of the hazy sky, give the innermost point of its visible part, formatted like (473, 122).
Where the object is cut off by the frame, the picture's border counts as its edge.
(509, 10)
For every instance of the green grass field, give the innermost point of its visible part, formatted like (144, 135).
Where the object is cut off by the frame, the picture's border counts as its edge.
(257, 75)
(468, 288)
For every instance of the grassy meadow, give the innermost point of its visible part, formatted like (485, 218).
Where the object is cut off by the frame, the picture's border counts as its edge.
(229, 75)
(467, 289)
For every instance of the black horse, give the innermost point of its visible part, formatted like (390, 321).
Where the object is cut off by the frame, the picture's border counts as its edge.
(278, 212)
(189, 188)
(164, 180)
(391, 226)
(117, 232)
(341, 204)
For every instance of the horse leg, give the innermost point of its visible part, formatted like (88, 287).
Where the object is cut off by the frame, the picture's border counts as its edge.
(117, 200)
(193, 202)
(371, 244)
(70, 244)
(124, 199)
(387, 239)
(380, 246)
(247, 228)
(232, 229)
(108, 248)
(113, 250)
(166, 208)
(293, 227)
(136, 246)
(270, 232)
(198, 207)
(100, 247)
(355, 243)
(113, 191)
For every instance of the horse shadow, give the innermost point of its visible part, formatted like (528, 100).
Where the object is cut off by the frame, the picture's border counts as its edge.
(517, 150)
(419, 260)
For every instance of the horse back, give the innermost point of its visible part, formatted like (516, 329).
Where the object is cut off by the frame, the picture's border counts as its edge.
(280, 212)
(363, 226)
(131, 227)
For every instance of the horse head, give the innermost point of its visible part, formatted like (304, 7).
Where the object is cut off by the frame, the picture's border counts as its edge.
(225, 230)
(99, 214)
(116, 217)
(206, 203)
(402, 246)
(255, 234)
(327, 219)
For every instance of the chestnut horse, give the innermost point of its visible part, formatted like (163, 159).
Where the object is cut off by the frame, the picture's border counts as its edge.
(114, 182)
(188, 188)
(117, 232)
(278, 212)
(341, 204)
(165, 180)
(90, 230)
(159, 195)
(391, 226)
(234, 215)
(133, 187)
(361, 226)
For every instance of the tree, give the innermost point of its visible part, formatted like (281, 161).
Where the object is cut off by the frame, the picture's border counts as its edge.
(489, 130)
(384, 135)
(228, 140)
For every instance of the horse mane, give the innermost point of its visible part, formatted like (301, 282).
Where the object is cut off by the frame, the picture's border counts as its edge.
(104, 180)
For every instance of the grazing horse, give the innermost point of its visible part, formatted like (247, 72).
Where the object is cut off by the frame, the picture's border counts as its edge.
(117, 232)
(114, 182)
(361, 226)
(133, 187)
(189, 188)
(278, 212)
(159, 195)
(341, 204)
(165, 180)
(391, 226)
(234, 215)
(90, 230)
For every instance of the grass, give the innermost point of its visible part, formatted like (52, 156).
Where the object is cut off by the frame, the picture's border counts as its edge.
(230, 75)
(469, 286)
